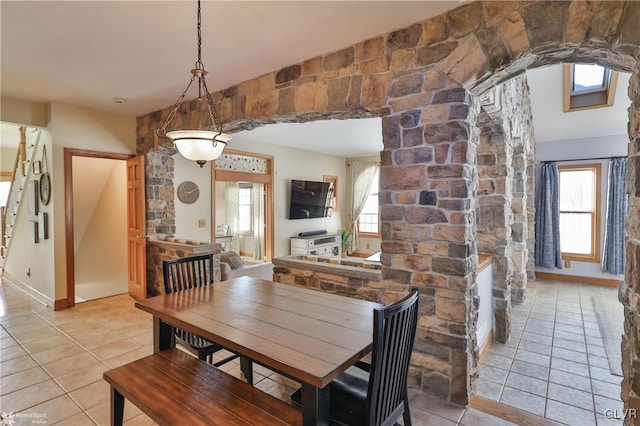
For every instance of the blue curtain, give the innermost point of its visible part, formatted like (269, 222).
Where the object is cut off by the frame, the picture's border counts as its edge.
(547, 250)
(613, 259)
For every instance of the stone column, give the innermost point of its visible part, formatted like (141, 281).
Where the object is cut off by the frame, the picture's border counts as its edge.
(160, 194)
(494, 220)
(427, 209)
(629, 293)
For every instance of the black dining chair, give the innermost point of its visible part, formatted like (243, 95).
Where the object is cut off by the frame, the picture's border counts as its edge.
(189, 272)
(379, 396)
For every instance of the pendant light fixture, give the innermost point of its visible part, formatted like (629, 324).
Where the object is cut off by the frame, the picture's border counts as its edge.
(200, 145)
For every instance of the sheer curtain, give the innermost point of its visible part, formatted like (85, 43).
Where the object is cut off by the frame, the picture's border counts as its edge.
(257, 193)
(232, 212)
(547, 249)
(614, 256)
(362, 174)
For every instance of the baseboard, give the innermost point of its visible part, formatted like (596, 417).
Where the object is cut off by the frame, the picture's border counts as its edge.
(485, 348)
(577, 279)
(61, 304)
(30, 291)
(508, 413)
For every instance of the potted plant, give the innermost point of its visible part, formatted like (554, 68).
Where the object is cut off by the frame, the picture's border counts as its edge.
(346, 240)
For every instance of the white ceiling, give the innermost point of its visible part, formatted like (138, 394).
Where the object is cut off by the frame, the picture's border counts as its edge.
(89, 52)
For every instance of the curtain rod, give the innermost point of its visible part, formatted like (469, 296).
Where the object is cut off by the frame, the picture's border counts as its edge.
(582, 159)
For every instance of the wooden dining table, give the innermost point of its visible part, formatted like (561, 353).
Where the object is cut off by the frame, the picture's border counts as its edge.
(307, 335)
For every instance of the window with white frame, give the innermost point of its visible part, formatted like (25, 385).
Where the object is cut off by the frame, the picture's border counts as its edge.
(369, 219)
(579, 189)
(245, 211)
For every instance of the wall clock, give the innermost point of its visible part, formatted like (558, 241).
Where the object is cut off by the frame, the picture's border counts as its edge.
(188, 192)
(45, 188)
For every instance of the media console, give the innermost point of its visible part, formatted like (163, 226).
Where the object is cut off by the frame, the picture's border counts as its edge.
(325, 245)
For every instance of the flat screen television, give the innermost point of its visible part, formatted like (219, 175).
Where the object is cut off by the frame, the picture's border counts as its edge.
(309, 199)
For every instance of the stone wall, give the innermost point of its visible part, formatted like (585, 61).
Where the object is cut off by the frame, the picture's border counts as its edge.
(424, 81)
(160, 194)
(332, 276)
(629, 293)
(505, 155)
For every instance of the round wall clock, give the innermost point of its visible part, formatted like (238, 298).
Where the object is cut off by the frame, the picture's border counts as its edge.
(45, 188)
(188, 192)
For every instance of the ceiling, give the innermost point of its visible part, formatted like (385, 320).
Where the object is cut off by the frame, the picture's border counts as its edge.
(142, 51)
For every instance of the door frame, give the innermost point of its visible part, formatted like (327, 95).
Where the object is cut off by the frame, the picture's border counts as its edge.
(266, 179)
(69, 153)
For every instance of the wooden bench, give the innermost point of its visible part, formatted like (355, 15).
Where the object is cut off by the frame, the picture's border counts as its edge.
(174, 388)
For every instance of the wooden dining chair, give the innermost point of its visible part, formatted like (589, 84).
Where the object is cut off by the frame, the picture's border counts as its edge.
(379, 396)
(189, 272)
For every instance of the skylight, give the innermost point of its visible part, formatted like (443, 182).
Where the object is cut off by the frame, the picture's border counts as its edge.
(588, 86)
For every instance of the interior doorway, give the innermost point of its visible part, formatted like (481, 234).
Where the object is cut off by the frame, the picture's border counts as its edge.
(96, 225)
(242, 205)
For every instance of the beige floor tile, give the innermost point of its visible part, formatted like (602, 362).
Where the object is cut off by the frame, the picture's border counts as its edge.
(114, 349)
(81, 326)
(22, 399)
(138, 328)
(46, 343)
(66, 365)
(92, 395)
(94, 340)
(101, 414)
(8, 342)
(58, 352)
(54, 410)
(12, 352)
(78, 420)
(128, 357)
(141, 420)
(81, 377)
(275, 389)
(17, 320)
(37, 335)
(16, 365)
(23, 379)
(145, 339)
(32, 323)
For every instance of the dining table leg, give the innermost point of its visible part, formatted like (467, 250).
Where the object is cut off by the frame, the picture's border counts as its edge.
(163, 335)
(315, 405)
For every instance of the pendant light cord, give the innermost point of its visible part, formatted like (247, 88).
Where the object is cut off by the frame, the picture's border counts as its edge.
(198, 73)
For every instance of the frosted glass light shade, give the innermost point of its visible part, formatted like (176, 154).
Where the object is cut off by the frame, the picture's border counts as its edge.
(199, 145)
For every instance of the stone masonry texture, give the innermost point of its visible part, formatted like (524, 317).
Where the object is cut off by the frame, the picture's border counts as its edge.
(445, 183)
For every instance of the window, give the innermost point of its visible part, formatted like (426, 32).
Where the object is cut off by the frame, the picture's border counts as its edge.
(580, 212)
(588, 86)
(368, 221)
(245, 213)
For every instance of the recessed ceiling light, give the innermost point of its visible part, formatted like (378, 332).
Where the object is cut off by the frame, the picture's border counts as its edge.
(119, 100)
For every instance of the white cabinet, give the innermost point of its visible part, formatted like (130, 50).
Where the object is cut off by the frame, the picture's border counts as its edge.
(326, 245)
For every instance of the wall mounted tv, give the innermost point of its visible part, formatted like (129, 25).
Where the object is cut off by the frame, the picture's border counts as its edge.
(309, 199)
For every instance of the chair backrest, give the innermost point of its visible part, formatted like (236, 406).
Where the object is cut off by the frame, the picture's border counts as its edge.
(394, 330)
(187, 272)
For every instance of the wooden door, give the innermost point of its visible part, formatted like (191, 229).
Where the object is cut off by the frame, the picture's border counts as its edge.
(136, 228)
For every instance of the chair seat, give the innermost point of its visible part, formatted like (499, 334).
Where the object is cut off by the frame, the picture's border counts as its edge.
(348, 397)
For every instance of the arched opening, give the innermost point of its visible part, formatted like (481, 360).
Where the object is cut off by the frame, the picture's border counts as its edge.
(429, 83)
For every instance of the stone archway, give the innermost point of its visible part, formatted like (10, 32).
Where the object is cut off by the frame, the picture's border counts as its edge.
(426, 82)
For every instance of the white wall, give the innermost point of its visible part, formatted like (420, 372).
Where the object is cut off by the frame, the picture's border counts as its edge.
(610, 146)
(188, 215)
(290, 163)
(68, 127)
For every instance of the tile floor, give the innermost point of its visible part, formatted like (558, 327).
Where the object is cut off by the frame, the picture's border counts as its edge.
(555, 364)
(51, 366)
